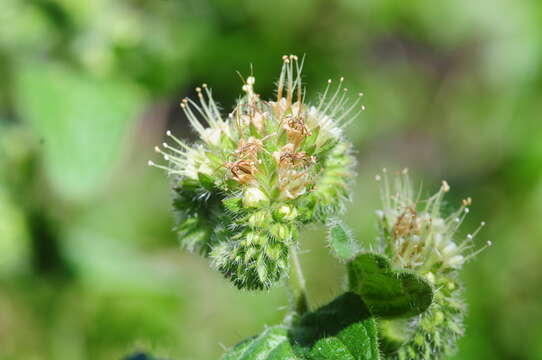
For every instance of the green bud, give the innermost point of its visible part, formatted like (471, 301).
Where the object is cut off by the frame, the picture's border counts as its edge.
(280, 231)
(254, 197)
(286, 213)
(259, 219)
(250, 266)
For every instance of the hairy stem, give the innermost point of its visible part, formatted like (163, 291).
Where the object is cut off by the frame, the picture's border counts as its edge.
(297, 284)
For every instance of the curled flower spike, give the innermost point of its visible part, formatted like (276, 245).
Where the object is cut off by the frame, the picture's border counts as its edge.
(244, 188)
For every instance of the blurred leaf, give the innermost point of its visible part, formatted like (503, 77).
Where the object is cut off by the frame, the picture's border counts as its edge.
(14, 242)
(388, 293)
(341, 242)
(81, 122)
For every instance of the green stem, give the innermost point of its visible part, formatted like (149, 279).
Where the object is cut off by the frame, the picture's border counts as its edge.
(297, 284)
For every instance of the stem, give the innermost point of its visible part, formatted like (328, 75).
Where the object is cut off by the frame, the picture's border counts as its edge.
(297, 284)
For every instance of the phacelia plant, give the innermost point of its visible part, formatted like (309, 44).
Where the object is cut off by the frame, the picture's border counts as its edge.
(244, 190)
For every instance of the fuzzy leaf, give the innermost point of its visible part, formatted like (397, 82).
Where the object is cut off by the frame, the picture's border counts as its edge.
(341, 242)
(272, 344)
(342, 329)
(388, 293)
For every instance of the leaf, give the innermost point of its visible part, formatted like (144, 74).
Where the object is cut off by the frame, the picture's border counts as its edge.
(341, 242)
(342, 329)
(82, 122)
(272, 344)
(388, 293)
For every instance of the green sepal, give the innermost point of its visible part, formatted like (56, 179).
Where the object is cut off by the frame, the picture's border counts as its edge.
(233, 204)
(341, 242)
(326, 147)
(253, 130)
(389, 293)
(206, 181)
(310, 141)
(283, 138)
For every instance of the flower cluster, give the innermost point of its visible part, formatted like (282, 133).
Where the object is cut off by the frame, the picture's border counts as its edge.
(417, 236)
(242, 191)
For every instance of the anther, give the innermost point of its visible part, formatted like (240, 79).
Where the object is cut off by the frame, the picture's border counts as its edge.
(168, 133)
(445, 186)
(150, 163)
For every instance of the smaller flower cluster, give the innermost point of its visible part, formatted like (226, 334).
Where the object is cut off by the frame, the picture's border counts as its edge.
(243, 190)
(416, 235)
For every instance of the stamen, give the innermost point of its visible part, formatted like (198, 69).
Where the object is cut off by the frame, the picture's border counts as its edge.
(169, 134)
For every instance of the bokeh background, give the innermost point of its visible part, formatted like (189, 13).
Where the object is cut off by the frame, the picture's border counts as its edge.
(89, 266)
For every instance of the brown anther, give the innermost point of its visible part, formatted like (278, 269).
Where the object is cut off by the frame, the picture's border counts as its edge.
(241, 170)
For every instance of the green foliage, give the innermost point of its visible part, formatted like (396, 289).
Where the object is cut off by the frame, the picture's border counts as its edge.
(389, 293)
(341, 242)
(82, 122)
(342, 329)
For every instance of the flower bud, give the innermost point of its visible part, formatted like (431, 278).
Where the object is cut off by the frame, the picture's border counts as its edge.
(286, 213)
(254, 197)
(259, 219)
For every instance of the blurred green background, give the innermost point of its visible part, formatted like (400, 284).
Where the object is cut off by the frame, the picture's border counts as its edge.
(89, 267)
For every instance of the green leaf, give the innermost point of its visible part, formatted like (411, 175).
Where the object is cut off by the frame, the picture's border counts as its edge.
(342, 329)
(82, 122)
(388, 293)
(341, 242)
(272, 344)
